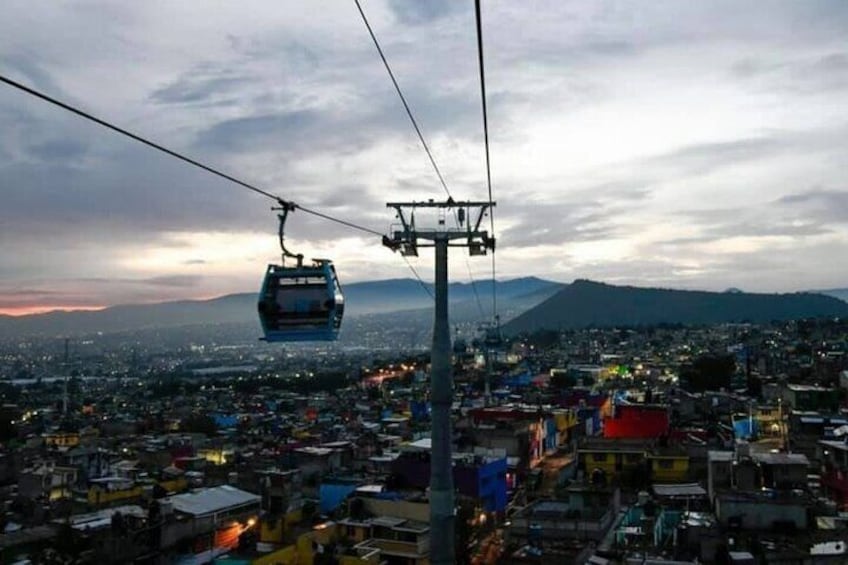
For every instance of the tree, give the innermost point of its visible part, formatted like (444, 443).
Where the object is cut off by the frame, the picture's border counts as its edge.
(561, 381)
(708, 372)
(199, 424)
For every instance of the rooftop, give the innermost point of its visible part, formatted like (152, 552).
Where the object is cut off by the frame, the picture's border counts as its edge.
(781, 458)
(685, 490)
(212, 500)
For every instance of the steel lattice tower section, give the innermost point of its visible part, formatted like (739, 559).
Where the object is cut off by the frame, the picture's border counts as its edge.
(407, 238)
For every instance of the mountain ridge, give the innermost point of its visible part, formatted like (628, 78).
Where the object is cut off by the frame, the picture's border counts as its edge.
(362, 298)
(586, 303)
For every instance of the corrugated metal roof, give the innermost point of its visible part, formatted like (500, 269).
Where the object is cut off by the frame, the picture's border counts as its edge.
(212, 500)
(689, 489)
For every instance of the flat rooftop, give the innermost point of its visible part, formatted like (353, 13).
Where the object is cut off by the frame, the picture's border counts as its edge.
(212, 500)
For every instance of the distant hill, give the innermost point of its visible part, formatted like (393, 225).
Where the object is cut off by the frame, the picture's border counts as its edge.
(840, 293)
(591, 304)
(406, 294)
(374, 297)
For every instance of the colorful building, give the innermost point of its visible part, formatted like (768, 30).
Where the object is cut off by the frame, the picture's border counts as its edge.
(637, 421)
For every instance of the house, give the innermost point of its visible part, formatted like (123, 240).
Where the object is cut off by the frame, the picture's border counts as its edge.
(834, 479)
(586, 514)
(209, 521)
(61, 439)
(398, 540)
(719, 472)
(395, 524)
(668, 465)
(610, 457)
(477, 475)
(47, 480)
(766, 510)
(524, 434)
(810, 397)
(109, 491)
(637, 421)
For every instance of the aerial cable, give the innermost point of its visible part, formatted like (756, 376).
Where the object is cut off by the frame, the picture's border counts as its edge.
(474, 288)
(287, 205)
(486, 143)
(189, 160)
(403, 99)
(420, 137)
(417, 276)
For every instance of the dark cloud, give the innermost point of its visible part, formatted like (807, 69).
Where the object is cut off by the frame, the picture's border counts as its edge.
(201, 89)
(821, 205)
(88, 291)
(808, 75)
(743, 229)
(58, 150)
(416, 12)
(29, 293)
(182, 281)
(167, 280)
(31, 72)
(585, 214)
(706, 157)
(282, 131)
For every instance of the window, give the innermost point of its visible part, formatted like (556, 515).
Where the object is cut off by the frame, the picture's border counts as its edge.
(666, 463)
(599, 457)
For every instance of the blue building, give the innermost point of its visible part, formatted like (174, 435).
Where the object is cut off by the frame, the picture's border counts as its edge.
(476, 476)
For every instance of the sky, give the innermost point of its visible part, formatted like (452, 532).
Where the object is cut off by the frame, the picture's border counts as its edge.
(658, 143)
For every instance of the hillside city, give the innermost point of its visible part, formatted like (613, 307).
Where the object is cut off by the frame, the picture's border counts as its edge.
(667, 443)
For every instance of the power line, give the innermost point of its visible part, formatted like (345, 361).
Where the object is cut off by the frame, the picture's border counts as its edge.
(486, 143)
(402, 98)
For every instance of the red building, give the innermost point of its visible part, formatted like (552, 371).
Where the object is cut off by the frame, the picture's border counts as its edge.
(637, 421)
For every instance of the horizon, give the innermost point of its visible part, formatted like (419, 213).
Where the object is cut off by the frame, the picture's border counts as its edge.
(658, 144)
(99, 308)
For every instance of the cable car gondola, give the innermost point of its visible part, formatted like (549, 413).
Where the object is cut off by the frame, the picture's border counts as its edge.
(302, 302)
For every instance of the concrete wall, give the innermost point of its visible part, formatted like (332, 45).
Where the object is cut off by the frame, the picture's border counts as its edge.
(419, 511)
(759, 514)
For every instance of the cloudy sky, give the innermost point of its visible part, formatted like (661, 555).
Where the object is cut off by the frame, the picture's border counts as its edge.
(683, 144)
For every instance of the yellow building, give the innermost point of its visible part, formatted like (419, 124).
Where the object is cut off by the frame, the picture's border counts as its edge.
(274, 531)
(669, 468)
(61, 439)
(174, 486)
(110, 490)
(617, 456)
(768, 419)
(304, 549)
(612, 459)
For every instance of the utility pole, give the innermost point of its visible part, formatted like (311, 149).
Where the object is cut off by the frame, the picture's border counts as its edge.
(407, 238)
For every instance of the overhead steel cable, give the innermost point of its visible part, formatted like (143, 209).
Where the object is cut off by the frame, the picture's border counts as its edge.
(198, 164)
(417, 276)
(474, 288)
(402, 98)
(180, 156)
(486, 143)
(418, 132)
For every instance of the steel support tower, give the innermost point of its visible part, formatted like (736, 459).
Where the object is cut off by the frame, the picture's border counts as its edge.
(407, 238)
